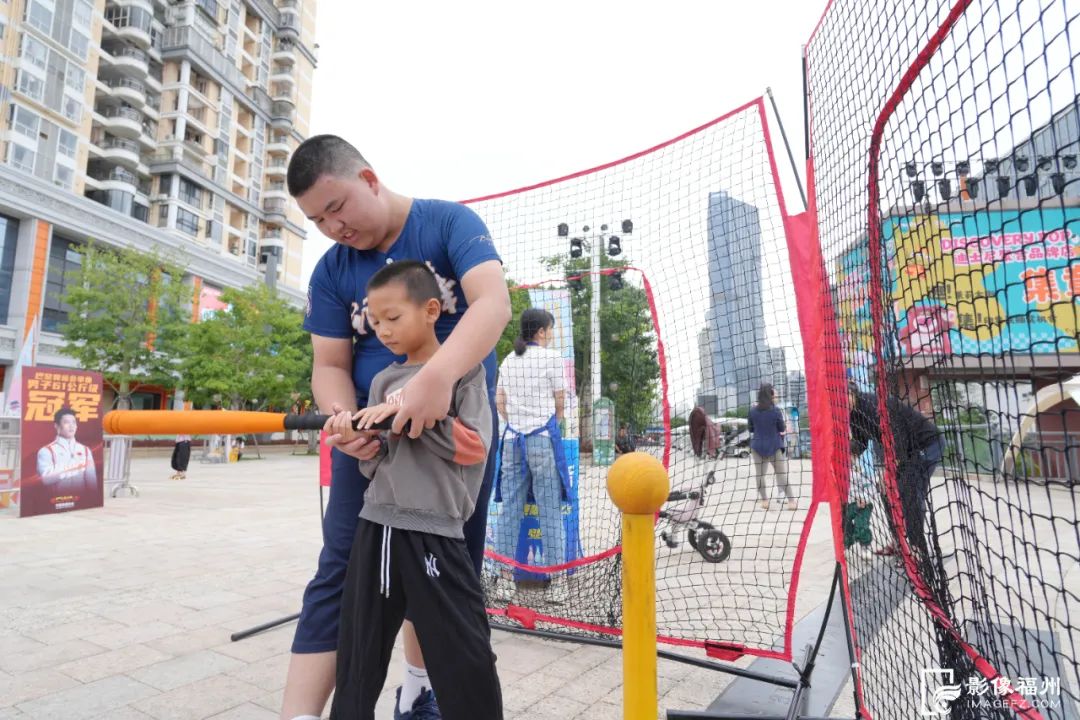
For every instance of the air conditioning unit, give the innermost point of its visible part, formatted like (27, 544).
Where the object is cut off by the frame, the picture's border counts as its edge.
(160, 197)
(9, 426)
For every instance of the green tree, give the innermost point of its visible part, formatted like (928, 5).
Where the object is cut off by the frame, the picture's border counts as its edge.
(519, 303)
(254, 354)
(128, 313)
(630, 370)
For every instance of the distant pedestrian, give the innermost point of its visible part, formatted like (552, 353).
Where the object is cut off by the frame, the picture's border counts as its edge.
(181, 455)
(766, 422)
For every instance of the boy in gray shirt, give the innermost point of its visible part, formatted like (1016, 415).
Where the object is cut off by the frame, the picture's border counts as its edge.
(409, 556)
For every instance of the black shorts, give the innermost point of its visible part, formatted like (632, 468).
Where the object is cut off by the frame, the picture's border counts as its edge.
(431, 579)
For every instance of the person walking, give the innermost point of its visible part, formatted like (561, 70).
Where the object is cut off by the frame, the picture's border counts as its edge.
(181, 455)
(767, 427)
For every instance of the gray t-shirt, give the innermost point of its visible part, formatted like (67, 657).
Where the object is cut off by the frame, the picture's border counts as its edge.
(430, 484)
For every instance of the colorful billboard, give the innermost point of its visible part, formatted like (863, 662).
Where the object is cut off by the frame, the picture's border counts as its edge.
(61, 441)
(986, 282)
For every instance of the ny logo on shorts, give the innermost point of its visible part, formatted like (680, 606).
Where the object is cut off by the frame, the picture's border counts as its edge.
(432, 567)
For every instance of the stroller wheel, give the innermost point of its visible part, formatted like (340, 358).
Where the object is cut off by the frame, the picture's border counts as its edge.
(713, 545)
(669, 540)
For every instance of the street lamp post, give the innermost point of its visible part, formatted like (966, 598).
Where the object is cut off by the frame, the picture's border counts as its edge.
(598, 404)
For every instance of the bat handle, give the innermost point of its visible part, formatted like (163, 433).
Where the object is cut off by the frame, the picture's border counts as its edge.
(314, 421)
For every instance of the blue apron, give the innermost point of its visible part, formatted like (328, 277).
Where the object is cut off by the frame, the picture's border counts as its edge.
(552, 428)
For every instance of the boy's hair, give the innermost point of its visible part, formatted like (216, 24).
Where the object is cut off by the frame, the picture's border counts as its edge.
(322, 155)
(61, 413)
(420, 283)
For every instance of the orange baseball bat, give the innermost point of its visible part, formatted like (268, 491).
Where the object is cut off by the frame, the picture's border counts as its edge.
(212, 422)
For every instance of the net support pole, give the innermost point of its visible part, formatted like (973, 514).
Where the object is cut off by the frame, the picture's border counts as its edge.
(638, 485)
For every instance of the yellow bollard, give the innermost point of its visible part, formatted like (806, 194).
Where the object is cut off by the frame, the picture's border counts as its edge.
(638, 485)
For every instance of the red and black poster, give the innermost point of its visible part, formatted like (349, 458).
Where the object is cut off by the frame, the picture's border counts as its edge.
(62, 446)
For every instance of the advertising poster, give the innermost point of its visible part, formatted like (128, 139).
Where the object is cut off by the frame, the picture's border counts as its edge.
(985, 282)
(62, 445)
(210, 302)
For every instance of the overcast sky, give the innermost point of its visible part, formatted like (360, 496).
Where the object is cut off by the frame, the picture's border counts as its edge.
(460, 99)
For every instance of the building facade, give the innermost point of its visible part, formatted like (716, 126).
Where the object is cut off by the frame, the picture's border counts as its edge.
(732, 343)
(148, 124)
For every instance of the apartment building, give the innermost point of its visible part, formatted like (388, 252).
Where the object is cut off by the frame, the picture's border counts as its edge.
(148, 123)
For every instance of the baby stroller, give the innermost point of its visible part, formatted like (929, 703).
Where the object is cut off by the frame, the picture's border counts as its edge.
(688, 496)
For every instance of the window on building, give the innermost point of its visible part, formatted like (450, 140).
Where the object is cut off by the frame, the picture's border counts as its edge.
(79, 44)
(71, 107)
(68, 144)
(25, 122)
(64, 176)
(63, 260)
(30, 85)
(34, 51)
(190, 193)
(75, 77)
(20, 157)
(140, 212)
(9, 236)
(83, 14)
(187, 221)
(39, 15)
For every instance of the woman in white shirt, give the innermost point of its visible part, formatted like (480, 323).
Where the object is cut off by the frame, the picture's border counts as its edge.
(530, 400)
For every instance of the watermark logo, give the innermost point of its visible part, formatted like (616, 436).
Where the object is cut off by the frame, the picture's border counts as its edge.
(938, 690)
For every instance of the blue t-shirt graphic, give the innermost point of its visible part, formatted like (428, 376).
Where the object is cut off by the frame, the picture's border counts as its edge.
(449, 237)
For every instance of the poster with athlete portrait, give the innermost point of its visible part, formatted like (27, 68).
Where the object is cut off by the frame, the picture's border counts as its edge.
(62, 445)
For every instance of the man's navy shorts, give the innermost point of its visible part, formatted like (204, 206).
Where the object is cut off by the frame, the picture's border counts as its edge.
(317, 629)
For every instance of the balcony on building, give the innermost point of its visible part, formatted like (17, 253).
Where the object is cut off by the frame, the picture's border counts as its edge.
(281, 76)
(173, 153)
(127, 90)
(117, 150)
(284, 53)
(278, 144)
(106, 176)
(275, 190)
(282, 115)
(125, 58)
(276, 167)
(128, 23)
(198, 119)
(272, 237)
(275, 209)
(289, 26)
(121, 121)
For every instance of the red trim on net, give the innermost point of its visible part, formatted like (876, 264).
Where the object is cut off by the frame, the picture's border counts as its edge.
(613, 163)
(821, 20)
(580, 562)
(1018, 702)
(528, 618)
(797, 237)
(661, 357)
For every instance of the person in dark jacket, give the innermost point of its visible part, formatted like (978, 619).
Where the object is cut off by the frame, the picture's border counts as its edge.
(766, 423)
(918, 447)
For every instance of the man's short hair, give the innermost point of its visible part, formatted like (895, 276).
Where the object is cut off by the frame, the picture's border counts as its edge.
(61, 413)
(322, 155)
(420, 283)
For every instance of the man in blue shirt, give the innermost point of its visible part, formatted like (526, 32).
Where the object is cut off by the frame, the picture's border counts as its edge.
(372, 226)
